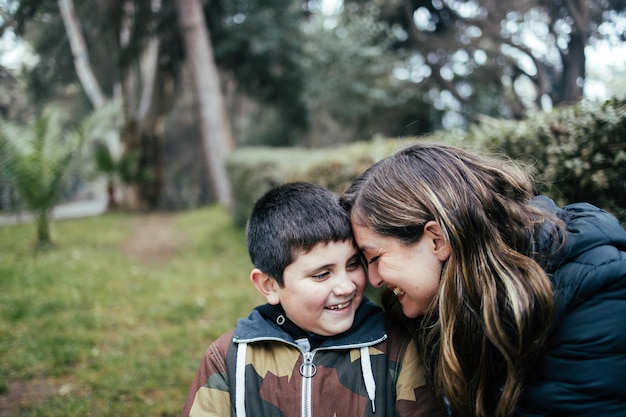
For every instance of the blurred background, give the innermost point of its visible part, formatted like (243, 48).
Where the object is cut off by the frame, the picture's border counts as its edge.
(135, 135)
(187, 82)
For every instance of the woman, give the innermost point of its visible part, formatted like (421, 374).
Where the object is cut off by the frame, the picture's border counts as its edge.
(519, 306)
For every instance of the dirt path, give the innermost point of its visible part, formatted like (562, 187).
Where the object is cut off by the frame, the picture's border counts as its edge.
(154, 239)
(23, 393)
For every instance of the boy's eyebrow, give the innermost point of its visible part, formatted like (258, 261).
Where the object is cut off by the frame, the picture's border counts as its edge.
(317, 268)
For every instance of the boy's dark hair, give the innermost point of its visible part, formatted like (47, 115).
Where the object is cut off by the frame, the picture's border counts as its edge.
(291, 219)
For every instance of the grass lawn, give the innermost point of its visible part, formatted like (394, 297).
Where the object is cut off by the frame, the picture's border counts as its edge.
(113, 321)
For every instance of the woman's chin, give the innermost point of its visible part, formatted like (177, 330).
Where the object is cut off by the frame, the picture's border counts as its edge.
(411, 310)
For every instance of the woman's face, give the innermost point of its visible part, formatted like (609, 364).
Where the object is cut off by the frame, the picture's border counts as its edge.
(412, 272)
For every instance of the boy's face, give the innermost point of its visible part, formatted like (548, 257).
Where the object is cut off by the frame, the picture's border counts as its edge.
(323, 288)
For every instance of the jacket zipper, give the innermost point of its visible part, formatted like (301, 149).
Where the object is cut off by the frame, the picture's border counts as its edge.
(307, 370)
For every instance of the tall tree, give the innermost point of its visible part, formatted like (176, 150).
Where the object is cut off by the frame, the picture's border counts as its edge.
(135, 48)
(217, 140)
(350, 90)
(258, 47)
(525, 53)
(146, 92)
(573, 24)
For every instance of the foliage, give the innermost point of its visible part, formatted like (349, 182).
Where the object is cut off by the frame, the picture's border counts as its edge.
(316, 80)
(254, 170)
(40, 23)
(345, 56)
(111, 331)
(104, 140)
(575, 153)
(55, 66)
(13, 97)
(38, 158)
(506, 57)
(117, 34)
(350, 89)
(260, 43)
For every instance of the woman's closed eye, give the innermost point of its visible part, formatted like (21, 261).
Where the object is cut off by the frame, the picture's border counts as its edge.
(374, 259)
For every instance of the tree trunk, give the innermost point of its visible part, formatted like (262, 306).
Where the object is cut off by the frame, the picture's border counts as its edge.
(144, 161)
(142, 131)
(570, 87)
(81, 56)
(217, 140)
(83, 68)
(44, 237)
(143, 91)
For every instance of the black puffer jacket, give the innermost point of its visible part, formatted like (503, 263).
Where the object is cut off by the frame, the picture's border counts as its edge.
(584, 370)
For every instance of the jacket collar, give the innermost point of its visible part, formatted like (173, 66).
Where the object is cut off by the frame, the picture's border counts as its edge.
(267, 322)
(587, 227)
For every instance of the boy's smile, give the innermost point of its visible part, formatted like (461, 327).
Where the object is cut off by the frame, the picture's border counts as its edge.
(323, 288)
(339, 306)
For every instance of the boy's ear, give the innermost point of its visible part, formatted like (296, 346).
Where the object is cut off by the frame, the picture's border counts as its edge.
(441, 248)
(266, 285)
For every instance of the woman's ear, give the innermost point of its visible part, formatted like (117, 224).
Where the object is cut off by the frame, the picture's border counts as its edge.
(266, 285)
(441, 247)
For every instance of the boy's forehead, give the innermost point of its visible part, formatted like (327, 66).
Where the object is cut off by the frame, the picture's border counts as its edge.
(324, 246)
(324, 254)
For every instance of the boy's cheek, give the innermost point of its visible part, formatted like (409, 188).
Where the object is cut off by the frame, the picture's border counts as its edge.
(361, 281)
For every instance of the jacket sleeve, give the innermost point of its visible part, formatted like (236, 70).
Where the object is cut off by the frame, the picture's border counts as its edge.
(582, 372)
(413, 398)
(209, 394)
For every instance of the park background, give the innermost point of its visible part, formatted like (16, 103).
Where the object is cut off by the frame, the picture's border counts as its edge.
(170, 118)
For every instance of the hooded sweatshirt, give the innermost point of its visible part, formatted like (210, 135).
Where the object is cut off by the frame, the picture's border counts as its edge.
(583, 370)
(267, 366)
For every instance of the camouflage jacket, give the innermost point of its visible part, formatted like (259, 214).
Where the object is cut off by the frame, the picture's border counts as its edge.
(258, 370)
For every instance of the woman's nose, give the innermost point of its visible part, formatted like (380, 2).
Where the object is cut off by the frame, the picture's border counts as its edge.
(374, 278)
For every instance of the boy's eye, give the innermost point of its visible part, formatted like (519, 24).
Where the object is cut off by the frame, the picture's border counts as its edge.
(374, 259)
(354, 264)
(321, 275)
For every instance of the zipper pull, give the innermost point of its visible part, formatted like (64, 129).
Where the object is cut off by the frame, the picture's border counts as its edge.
(308, 368)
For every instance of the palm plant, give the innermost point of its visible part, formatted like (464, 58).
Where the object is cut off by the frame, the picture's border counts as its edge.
(117, 169)
(38, 158)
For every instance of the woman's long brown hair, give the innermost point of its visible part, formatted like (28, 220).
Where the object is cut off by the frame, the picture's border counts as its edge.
(490, 319)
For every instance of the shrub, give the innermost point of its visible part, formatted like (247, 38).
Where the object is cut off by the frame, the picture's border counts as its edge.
(575, 153)
(254, 170)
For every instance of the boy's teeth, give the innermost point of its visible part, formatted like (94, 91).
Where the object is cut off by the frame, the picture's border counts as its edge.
(398, 291)
(339, 306)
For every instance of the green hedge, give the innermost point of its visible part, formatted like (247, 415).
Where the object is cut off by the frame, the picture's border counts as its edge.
(254, 170)
(575, 153)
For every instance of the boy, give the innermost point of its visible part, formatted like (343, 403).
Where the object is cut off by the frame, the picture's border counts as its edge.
(318, 347)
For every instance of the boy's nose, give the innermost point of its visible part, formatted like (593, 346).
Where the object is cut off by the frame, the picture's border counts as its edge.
(344, 285)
